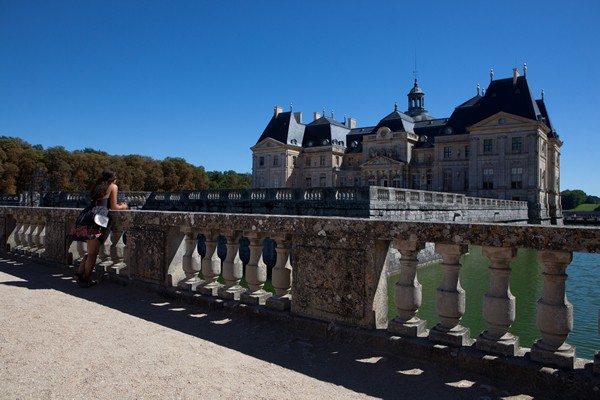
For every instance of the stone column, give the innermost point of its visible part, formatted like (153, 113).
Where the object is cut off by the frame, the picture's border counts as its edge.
(233, 269)
(211, 267)
(282, 275)
(450, 299)
(498, 305)
(256, 272)
(554, 313)
(408, 292)
(190, 262)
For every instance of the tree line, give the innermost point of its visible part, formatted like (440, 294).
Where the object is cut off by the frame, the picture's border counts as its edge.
(570, 199)
(25, 167)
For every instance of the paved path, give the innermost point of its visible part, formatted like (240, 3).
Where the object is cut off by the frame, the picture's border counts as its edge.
(58, 341)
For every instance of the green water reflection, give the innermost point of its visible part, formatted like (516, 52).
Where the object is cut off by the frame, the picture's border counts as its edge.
(526, 286)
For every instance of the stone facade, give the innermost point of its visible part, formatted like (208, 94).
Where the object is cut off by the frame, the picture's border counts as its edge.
(499, 144)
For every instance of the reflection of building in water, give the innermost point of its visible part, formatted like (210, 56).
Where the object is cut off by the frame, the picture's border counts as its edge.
(498, 144)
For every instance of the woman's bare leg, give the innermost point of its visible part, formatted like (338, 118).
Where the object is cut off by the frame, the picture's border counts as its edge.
(93, 248)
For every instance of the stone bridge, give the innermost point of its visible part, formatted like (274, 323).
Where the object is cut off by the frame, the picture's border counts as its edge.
(331, 272)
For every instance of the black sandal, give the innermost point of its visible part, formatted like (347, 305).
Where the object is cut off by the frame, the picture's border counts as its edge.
(87, 284)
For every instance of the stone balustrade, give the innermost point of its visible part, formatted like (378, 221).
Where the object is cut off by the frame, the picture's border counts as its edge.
(329, 268)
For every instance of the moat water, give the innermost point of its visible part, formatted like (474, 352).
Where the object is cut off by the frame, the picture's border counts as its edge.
(526, 285)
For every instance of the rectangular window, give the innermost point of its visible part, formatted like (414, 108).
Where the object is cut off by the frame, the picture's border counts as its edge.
(487, 145)
(276, 161)
(322, 161)
(308, 182)
(322, 181)
(488, 178)
(261, 161)
(447, 152)
(467, 151)
(275, 181)
(517, 145)
(516, 178)
(307, 161)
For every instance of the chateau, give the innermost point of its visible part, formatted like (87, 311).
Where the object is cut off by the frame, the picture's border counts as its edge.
(499, 144)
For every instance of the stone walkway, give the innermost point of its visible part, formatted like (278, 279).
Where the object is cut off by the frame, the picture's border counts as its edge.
(58, 341)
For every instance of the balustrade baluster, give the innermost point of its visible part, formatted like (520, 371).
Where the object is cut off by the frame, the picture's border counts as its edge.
(256, 273)
(408, 292)
(14, 239)
(282, 275)
(450, 299)
(40, 241)
(118, 252)
(498, 305)
(211, 267)
(104, 255)
(191, 262)
(233, 269)
(554, 313)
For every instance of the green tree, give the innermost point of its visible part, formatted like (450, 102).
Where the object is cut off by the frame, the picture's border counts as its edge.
(570, 199)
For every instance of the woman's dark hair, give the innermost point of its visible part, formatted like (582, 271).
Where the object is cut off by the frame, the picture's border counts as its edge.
(100, 187)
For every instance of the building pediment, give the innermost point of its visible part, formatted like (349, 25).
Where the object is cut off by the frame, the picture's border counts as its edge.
(382, 161)
(500, 120)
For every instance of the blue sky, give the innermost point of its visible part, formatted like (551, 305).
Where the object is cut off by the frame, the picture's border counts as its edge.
(199, 79)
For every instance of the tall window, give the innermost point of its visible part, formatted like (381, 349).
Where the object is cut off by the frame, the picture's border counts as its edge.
(467, 151)
(372, 181)
(516, 178)
(276, 161)
(487, 145)
(397, 182)
(488, 178)
(322, 181)
(261, 161)
(276, 181)
(307, 163)
(308, 182)
(322, 161)
(447, 181)
(447, 152)
(517, 144)
(416, 181)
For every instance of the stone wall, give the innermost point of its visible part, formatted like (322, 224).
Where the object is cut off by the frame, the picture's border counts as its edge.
(327, 268)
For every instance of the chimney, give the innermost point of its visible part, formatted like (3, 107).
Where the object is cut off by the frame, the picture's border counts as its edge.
(515, 76)
(298, 116)
(316, 115)
(351, 123)
(278, 110)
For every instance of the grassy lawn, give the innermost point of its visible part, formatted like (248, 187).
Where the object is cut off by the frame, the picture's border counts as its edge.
(584, 207)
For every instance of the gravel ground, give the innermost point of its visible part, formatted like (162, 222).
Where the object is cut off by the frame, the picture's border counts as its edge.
(59, 341)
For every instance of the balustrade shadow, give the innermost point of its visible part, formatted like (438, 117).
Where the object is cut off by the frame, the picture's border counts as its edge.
(354, 367)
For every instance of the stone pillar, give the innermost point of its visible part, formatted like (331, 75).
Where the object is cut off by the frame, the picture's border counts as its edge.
(233, 269)
(498, 305)
(211, 267)
(450, 299)
(190, 262)
(554, 314)
(256, 273)
(118, 252)
(408, 292)
(282, 275)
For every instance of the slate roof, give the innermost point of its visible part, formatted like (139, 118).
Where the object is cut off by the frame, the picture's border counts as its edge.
(285, 129)
(325, 132)
(501, 95)
(397, 122)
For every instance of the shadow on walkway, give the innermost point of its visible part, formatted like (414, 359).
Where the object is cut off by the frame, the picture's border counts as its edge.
(355, 368)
